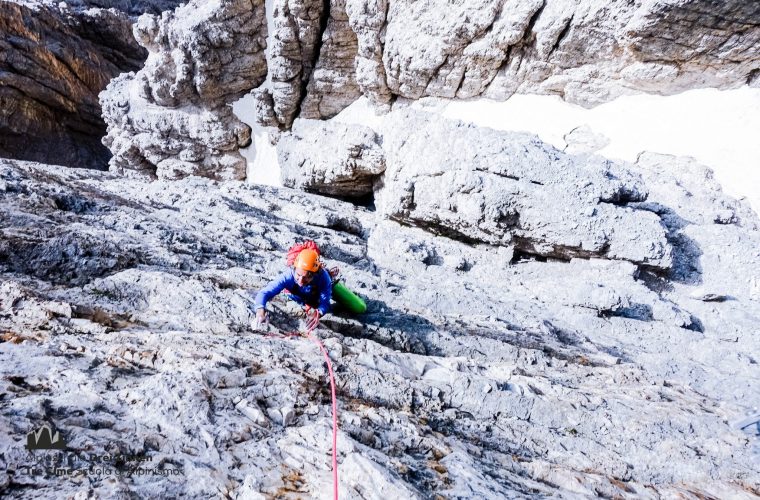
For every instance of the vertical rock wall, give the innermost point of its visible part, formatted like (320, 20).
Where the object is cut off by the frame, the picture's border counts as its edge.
(53, 65)
(325, 54)
(171, 119)
(293, 51)
(333, 84)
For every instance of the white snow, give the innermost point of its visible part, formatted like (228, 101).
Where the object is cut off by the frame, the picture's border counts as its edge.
(261, 155)
(720, 129)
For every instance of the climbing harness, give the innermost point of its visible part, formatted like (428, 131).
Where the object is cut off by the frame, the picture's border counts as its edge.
(310, 335)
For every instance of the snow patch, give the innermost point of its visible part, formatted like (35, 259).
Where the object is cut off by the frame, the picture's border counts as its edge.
(717, 128)
(261, 155)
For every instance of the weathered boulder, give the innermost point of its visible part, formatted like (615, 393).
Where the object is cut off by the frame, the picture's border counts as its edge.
(480, 185)
(55, 62)
(330, 158)
(171, 119)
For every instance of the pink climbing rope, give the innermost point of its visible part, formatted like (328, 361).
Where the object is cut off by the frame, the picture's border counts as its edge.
(334, 412)
(321, 346)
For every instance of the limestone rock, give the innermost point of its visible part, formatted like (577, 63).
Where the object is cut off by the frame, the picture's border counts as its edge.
(293, 50)
(472, 374)
(699, 218)
(479, 185)
(171, 119)
(332, 86)
(461, 47)
(323, 55)
(367, 20)
(587, 52)
(20, 306)
(55, 62)
(330, 158)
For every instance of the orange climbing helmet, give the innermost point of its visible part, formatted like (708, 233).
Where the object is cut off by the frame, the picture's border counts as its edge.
(307, 260)
(294, 250)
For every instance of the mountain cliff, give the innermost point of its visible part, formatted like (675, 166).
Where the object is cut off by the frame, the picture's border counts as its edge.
(541, 322)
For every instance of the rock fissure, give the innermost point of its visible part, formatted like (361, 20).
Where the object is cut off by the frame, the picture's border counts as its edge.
(562, 35)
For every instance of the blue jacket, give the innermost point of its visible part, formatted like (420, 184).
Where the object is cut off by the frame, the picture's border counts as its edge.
(316, 294)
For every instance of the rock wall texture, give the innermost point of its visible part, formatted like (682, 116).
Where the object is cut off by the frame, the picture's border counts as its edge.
(54, 64)
(323, 55)
(292, 53)
(333, 86)
(124, 324)
(587, 52)
(480, 185)
(539, 323)
(330, 158)
(171, 118)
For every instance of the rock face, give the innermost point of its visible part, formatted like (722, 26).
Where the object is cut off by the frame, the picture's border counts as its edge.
(539, 323)
(476, 184)
(330, 158)
(587, 52)
(332, 86)
(293, 50)
(171, 118)
(54, 64)
(323, 55)
(367, 20)
(124, 325)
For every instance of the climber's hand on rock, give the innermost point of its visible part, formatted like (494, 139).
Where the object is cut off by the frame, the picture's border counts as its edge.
(261, 322)
(312, 319)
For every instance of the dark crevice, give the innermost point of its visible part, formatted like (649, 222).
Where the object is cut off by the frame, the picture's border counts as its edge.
(695, 325)
(639, 312)
(508, 176)
(753, 77)
(528, 37)
(461, 82)
(305, 78)
(562, 35)
(526, 248)
(438, 230)
(366, 201)
(686, 252)
(521, 256)
(504, 63)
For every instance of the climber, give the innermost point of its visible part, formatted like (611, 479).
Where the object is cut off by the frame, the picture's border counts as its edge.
(307, 282)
